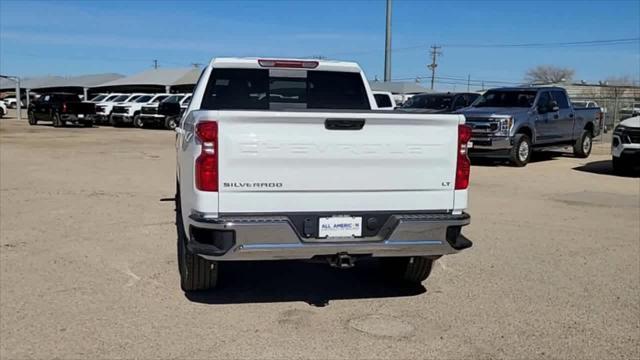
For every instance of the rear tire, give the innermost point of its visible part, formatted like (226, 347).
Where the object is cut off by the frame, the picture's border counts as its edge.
(413, 270)
(55, 118)
(32, 118)
(196, 273)
(87, 124)
(582, 146)
(521, 151)
(112, 121)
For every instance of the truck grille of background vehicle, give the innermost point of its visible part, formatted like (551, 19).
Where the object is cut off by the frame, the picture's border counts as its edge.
(632, 136)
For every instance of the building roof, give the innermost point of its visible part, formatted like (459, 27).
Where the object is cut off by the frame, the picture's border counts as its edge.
(397, 87)
(190, 78)
(47, 82)
(153, 77)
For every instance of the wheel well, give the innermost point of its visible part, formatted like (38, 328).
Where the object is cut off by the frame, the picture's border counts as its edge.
(526, 131)
(589, 127)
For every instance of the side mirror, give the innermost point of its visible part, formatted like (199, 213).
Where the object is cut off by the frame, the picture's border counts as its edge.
(542, 109)
(169, 109)
(554, 106)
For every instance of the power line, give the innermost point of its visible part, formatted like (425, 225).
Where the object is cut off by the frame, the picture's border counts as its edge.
(590, 43)
(552, 44)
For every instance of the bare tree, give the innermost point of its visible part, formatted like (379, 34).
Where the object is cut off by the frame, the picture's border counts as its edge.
(545, 74)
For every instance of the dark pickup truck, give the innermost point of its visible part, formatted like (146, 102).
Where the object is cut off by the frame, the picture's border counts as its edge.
(512, 122)
(439, 103)
(61, 108)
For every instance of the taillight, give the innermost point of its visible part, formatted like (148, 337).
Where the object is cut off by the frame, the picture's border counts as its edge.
(463, 166)
(298, 64)
(206, 173)
(64, 107)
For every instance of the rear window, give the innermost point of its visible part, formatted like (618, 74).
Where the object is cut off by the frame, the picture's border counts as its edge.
(66, 97)
(383, 100)
(263, 89)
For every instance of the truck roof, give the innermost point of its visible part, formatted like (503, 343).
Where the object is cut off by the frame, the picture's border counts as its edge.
(525, 88)
(254, 63)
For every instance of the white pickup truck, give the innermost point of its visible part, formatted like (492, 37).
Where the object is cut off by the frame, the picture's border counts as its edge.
(290, 159)
(129, 113)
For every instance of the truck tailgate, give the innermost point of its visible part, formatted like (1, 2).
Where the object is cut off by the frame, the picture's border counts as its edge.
(81, 108)
(291, 162)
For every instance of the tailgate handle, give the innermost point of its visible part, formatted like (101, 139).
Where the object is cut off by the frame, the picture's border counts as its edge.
(344, 124)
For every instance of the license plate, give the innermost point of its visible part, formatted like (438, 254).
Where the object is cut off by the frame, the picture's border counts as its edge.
(80, 116)
(340, 226)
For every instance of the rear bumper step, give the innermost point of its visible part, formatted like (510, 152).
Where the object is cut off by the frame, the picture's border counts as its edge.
(276, 238)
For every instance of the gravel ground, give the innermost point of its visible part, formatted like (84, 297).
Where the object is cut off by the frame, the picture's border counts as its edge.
(88, 267)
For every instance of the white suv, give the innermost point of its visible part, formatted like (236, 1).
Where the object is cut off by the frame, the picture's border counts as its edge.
(625, 145)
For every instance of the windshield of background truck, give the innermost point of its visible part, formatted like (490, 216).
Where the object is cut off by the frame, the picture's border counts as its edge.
(99, 98)
(434, 102)
(159, 98)
(111, 97)
(506, 99)
(173, 98)
(143, 99)
(120, 98)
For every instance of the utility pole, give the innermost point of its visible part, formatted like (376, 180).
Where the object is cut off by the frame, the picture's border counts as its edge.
(155, 63)
(435, 52)
(387, 45)
(468, 82)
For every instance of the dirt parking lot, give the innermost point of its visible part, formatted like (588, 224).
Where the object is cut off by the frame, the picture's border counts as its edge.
(88, 267)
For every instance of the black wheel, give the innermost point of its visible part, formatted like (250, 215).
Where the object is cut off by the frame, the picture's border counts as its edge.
(583, 145)
(414, 269)
(1, 113)
(171, 122)
(137, 121)
(32, 118)
(196, 273)
(87, 124)
(55, 118)
(112, 121)
(521, 150)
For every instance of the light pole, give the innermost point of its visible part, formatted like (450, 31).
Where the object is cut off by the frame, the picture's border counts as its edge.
(387, 45)
(18, 100)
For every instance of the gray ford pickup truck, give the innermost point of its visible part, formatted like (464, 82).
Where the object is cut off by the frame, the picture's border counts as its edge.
(512, 122)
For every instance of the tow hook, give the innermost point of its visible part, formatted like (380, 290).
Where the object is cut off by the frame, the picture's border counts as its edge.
(341, 261)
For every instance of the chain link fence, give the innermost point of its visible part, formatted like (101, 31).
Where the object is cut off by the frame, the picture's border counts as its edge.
(617, 103)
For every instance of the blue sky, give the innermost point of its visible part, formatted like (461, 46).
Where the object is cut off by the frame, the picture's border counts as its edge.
(78, 37)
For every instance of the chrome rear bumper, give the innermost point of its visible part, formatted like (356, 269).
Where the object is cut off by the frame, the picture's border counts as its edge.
(276, 238)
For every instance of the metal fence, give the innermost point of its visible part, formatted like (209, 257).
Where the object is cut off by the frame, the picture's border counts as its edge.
(617, 102)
